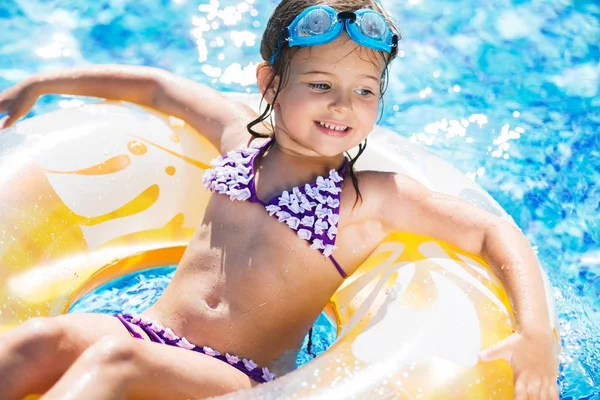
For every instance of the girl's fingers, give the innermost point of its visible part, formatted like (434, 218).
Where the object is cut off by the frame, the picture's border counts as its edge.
(520, 389)
(553, 391)
(549, 390)
(533, 380)
(500, 350)
(3, 121)
(533, 390)
(5, 102)
(545, 391)
(7, 121)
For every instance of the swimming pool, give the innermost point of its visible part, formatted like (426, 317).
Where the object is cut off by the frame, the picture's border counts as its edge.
(505, 91)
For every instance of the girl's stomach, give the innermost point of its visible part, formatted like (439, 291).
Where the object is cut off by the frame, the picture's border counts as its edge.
(254, 307)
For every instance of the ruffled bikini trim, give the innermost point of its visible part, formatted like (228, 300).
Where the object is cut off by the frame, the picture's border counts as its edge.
(161, 334)
(312, 210)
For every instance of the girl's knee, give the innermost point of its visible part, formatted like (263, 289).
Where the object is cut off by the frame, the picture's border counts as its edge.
(39, 333)
(43, 327)
(114, 353)
(115, 360)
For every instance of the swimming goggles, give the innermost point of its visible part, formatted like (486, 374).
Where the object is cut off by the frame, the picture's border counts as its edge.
(322, 24)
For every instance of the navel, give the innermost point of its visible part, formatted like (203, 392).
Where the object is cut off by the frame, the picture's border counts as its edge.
(213, 303)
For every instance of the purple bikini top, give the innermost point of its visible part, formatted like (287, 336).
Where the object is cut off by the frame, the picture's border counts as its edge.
(313, 211)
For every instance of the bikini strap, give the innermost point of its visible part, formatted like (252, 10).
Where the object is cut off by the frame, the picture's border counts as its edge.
(338, 267)
(344, 167)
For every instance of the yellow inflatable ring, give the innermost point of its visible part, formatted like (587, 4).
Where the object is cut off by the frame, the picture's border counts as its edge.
(91, 193)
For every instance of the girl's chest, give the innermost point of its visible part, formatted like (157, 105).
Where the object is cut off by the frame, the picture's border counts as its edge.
(246, 230)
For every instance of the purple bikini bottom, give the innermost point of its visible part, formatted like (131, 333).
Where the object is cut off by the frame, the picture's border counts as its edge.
(159, 334)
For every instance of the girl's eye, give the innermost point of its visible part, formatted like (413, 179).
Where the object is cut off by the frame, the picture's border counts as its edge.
(320, 86)
(364, 92)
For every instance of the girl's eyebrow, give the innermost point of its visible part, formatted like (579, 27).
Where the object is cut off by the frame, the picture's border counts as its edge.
(329, 73)
(316, 72)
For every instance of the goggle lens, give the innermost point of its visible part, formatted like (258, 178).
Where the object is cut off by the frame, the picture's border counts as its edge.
(316, 22)
(373, 26)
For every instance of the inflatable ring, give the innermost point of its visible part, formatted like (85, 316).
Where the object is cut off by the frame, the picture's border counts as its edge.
(91, 193)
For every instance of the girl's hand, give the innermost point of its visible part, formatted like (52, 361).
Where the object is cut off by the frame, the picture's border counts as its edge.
(16, 102)
(531, 356)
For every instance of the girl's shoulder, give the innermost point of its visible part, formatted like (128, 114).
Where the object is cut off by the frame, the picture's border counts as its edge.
(373, 182)
(372, 189)
(382, 186)
(235, 133)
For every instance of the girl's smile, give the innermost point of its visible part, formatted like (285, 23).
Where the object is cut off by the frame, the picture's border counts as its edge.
(333, 129)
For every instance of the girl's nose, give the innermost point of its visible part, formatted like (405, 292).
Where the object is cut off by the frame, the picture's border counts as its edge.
(340, 102)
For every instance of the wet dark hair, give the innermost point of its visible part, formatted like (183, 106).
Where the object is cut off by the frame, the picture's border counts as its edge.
(282, 17)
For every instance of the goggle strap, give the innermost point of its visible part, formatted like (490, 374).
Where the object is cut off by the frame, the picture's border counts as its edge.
(347, 15)
(284, 37)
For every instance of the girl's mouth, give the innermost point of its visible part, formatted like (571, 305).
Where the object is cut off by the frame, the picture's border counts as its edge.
(333, 129)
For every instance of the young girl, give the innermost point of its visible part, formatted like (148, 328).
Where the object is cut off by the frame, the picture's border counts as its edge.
(270, 251)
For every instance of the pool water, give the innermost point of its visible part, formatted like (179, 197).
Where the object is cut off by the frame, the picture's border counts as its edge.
(506, 90)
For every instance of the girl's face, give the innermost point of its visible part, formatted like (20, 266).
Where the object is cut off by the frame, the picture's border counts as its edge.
(330, 102)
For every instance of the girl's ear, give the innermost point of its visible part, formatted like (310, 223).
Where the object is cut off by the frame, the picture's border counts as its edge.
(267, 81)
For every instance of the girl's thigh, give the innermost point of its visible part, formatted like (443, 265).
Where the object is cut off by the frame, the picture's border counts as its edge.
(167, 372)
(80, 331)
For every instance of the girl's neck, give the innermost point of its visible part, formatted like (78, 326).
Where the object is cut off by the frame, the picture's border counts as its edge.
(283, 170)
(306, 167)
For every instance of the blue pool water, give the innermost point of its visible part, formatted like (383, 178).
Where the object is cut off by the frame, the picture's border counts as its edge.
(507, 90)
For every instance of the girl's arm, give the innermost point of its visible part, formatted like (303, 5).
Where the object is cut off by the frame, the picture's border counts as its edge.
(403, 204)
(220, 119)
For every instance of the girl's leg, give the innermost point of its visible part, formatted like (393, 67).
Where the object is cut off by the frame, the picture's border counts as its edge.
(34, 355)
(117, 368)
